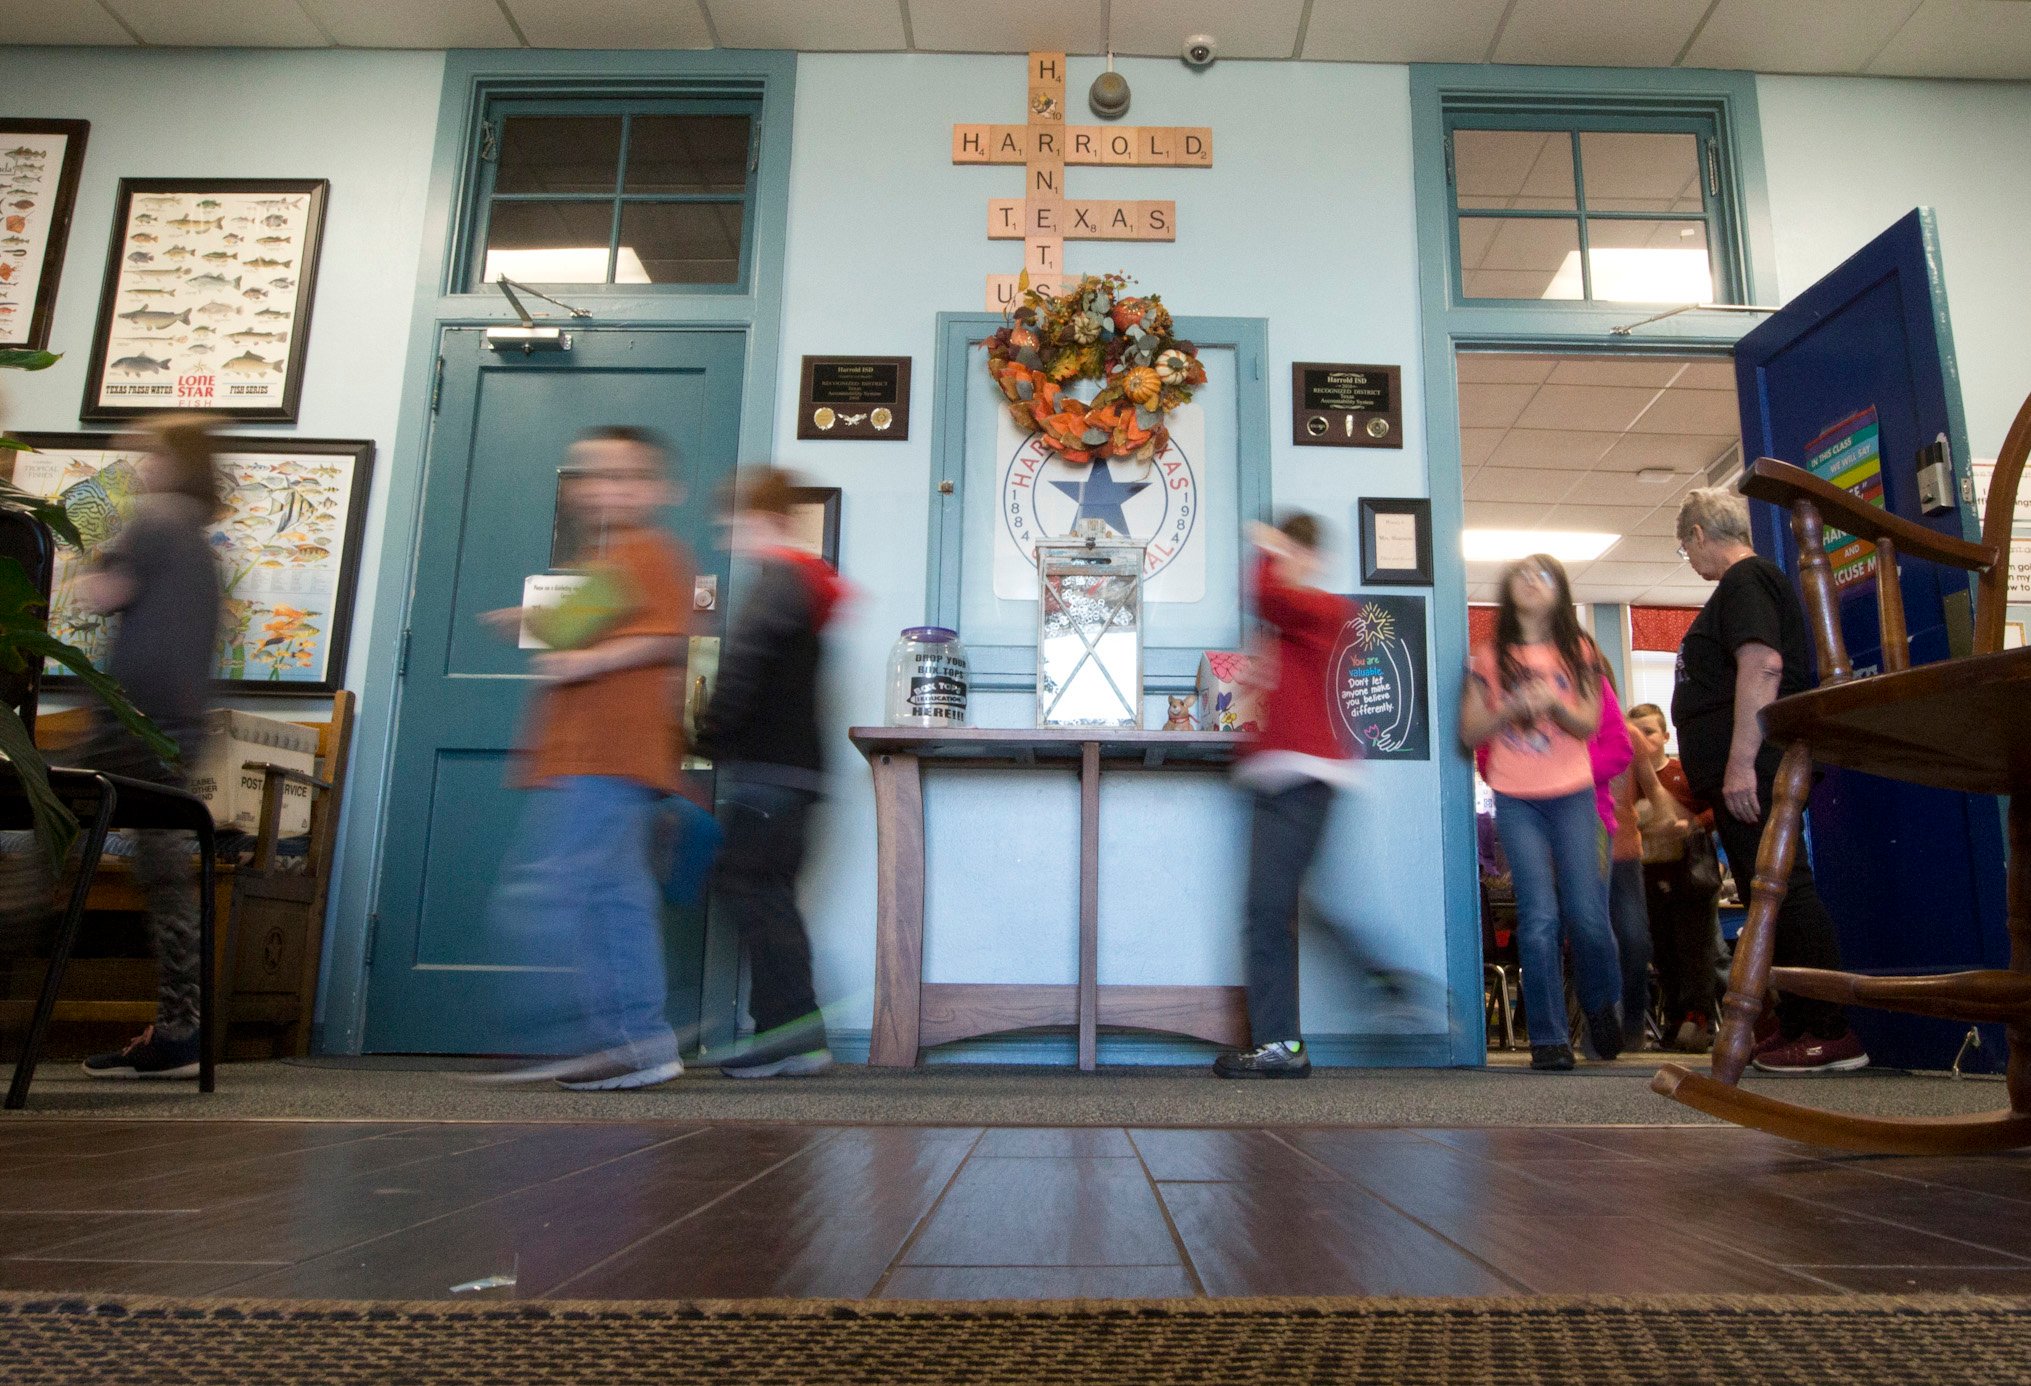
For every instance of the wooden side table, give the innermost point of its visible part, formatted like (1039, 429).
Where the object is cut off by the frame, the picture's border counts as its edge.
(909, 1012)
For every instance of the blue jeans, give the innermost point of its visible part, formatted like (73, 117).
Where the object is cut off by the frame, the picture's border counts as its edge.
(1629, 913)
(1556, 863)
(580, 866)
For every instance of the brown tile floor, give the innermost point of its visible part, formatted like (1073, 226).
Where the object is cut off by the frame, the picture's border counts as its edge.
(654, 1210)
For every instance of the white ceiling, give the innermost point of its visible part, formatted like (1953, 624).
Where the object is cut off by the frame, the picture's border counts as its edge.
(1918, 38)
(1555, 442)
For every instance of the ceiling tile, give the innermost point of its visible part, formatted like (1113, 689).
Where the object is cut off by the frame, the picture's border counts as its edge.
(611, 24)
(1620, 33)
(1558, 449)
(1707, 375)
(1606, 592)
(1503, 368)
(1632, 574)
(1692, 411)
(1492, 406)
(834, 25)
(1389, 31)
(1503, 515)
(1659, 523)
(1259, 29)
(968, 26)
(406, 24)
(1597, 519)
(1623, 488)
(1678, 452)
(1644, 548)
(1606, 408)
(1961, 38)
(60, 21)
(1476, 444)
(221, 23)
(1529, 484)
(1656, 373)
(1796, 35)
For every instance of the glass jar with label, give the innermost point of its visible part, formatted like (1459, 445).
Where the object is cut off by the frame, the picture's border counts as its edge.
(927, 679)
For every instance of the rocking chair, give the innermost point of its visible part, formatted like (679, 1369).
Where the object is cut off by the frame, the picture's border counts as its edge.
(1958, 724)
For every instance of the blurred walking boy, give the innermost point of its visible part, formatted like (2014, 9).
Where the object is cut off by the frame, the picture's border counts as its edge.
(761, 731)
(601, 752)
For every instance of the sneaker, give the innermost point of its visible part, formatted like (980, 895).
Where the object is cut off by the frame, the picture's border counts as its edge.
(1604, 1028)
(1551, 1058)
(147, 1057)
(805, 1065)
(1810, 1054)
(1693, 1036)
(1277, 1059)
(609, 1074)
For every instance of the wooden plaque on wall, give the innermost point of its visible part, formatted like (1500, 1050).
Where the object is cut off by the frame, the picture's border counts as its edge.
(1335, 405)
(855, 397)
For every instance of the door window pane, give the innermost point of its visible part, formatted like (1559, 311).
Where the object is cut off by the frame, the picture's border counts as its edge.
(1520, 257)
(1628, 172)
(679, 243)
(1525, 170)
(688, 154)
(1649, 261)
(549, 242)
(559, 154)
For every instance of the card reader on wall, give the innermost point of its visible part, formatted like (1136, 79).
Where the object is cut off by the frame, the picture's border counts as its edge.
(1936, 492)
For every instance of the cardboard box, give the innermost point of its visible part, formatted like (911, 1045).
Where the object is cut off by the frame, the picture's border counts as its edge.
(231, 740)
(1230, 700)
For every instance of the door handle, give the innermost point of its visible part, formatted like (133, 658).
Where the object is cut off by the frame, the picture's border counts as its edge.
(701, 667)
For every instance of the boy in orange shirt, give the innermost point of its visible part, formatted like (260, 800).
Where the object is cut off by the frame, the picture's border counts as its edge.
(601, 751)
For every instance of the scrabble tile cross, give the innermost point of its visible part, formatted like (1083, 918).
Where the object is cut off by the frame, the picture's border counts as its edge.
(1043, 218)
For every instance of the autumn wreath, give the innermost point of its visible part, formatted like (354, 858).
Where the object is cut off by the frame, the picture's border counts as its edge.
(1094, 331)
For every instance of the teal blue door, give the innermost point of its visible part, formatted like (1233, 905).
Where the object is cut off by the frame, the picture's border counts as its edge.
(442, 979)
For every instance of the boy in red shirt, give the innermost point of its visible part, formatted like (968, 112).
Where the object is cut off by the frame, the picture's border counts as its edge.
(1292, 767)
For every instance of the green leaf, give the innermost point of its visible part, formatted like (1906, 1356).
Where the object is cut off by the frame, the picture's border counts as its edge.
(55, 827)
(8, 444)
(47, 509)
(18, 359)
(78, 662)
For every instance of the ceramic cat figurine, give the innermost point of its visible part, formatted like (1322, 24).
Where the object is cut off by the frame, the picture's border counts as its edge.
(1181, 715)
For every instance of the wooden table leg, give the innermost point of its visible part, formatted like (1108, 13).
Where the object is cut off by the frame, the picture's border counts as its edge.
(1089, 905)
(899, 910)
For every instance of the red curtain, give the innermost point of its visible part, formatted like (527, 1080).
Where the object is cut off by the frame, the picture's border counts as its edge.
(1659, 628)
(1481, 626)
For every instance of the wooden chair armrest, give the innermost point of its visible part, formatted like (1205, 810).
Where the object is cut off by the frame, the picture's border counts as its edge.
(268, 828)
(1780, 483)
(283, 772)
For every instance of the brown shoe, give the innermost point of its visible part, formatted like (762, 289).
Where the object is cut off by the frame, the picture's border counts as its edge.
(1810, 1054)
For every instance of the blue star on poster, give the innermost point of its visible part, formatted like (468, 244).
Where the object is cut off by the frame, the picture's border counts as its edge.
(1100, 496)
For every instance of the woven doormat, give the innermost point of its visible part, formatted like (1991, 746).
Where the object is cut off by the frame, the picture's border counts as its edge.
(86, 1341)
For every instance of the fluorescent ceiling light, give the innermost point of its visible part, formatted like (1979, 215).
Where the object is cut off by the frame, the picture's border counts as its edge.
(1508, 545)
(566, 264)
(1638, 275)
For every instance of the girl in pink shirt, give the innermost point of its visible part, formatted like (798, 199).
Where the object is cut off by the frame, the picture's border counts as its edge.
(1533, 698)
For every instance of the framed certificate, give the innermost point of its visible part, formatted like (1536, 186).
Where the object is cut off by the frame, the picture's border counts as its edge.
(1396, 542)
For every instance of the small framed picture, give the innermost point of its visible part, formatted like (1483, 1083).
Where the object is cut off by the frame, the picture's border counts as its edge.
(814, 522)
(1396, 542)
(206, 305)
(39, 165)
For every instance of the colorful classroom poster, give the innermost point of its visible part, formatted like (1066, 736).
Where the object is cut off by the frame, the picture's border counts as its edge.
(1850, 455)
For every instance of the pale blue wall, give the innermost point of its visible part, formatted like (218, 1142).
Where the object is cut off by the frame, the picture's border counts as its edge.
(1304, 219)
(363, 120)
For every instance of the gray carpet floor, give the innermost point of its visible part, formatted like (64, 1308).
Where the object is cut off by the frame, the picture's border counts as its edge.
(1505, 1094)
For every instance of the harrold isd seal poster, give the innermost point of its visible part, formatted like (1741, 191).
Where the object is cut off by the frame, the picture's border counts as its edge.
(1376, 680)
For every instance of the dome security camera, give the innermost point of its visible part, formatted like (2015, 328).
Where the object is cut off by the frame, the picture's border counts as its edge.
(1199, 51)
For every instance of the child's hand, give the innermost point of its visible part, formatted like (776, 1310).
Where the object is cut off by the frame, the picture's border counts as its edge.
(567, 666)
(505, 621)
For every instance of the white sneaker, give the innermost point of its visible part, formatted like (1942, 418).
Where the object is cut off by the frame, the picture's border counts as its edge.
(612, 1075)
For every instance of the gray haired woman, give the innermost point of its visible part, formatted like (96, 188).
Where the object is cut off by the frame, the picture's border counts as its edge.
(1746, 649)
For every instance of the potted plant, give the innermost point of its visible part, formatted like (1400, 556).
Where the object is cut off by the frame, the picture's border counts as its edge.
(24, 636)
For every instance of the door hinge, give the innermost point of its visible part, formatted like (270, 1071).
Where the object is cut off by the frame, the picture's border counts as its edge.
(402, 655)
(1714, 167)
(437, 386)
(1449, 161)
(490, 145)
(373, 933)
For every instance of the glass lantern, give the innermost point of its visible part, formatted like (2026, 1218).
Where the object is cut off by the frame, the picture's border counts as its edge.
(1089, 629)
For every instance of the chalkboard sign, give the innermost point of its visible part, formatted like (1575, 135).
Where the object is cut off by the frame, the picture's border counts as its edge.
(1376, 682)
(855, 397)
(1337, 405)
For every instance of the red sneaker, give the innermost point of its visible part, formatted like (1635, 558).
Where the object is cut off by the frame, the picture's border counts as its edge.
(1810, 1054)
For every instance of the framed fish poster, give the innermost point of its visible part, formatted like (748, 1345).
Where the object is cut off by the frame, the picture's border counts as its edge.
(207, 298)
(39, 165)
(288, 546)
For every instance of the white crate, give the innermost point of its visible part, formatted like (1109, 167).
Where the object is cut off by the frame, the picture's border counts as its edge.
(231, 740)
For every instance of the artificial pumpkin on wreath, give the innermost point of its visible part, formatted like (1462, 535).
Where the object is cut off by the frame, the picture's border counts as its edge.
(1094, 332)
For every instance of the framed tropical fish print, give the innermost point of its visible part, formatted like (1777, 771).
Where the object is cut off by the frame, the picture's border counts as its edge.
(207, 298)
(288, 547)
(40, 161)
